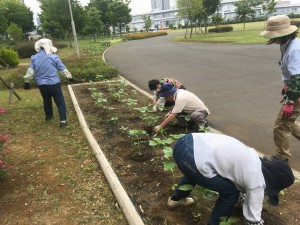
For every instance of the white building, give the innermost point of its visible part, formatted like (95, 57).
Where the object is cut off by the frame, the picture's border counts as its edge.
(162, 18)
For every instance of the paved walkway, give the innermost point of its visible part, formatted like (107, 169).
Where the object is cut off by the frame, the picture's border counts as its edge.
(240, 84)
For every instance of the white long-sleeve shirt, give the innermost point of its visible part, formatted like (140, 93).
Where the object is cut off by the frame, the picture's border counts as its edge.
(220, 154)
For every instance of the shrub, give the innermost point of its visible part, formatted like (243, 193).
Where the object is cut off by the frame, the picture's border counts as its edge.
(9, 57)
(90, 66)
(26, 49)
(143, 35)
(221, 29)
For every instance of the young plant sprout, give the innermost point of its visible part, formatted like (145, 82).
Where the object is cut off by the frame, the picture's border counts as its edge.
(130, 101)
(137, 135)
(114, 119)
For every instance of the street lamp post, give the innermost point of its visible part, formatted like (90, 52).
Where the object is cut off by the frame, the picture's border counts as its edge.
(74, 31)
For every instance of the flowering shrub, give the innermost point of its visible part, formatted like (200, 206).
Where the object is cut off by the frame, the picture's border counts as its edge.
(3, 164)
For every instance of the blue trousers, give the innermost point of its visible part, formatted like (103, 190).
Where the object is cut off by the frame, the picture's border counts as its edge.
(183, 154)
(53, 91)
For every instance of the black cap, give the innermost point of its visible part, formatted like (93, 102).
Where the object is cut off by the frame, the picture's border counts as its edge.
(278, 175)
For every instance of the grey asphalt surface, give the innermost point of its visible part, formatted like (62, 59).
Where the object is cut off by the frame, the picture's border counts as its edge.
(240, 84)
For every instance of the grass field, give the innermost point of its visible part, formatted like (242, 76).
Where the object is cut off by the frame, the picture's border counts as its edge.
(238, 36)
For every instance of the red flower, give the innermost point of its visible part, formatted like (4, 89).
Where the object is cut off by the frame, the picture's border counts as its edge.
(4, 137)
(2, 110)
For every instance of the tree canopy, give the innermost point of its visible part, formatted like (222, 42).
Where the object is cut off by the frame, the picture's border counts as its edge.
(246, 9)
(12, 11)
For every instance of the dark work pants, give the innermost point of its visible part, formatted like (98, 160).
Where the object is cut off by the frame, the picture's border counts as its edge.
(53, 91)
(183, 154)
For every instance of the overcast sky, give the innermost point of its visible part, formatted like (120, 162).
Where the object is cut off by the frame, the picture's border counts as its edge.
(137, 6)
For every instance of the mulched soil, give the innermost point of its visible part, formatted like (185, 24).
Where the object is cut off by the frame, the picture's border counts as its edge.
(143, 175)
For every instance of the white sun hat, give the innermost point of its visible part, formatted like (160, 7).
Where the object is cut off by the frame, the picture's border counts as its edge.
(46, 44)
(278, 26)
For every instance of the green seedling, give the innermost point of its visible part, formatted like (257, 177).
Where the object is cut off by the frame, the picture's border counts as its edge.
(137, 135)
(123, 129)
(229, 220)
(176, 136)
(169, 166)
(130, 101)
(108, 108)
(160, 142)
(114, 119)
(142, 109)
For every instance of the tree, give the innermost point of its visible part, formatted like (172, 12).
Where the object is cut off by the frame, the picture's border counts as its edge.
(210, 7)
(268, 7)
(56, 16)
(15, 32)
(102, 6)
(246, 9)
(3, 20)
(94, 25)
(12, 11)
(192, 10)
(119, 15)
(147, 22)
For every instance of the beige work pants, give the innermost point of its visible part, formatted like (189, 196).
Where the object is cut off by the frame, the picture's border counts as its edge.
(283, 129)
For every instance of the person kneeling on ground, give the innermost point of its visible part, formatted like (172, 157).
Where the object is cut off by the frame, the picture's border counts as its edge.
(155, 86)
(43, 66)
(185, 103)
(225, 165)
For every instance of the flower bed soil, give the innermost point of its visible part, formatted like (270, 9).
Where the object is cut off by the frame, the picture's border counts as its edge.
(143, 175)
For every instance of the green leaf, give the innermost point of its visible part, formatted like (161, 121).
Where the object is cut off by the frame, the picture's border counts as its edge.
(168, 152)
(186, 187)
(168, 165)
(152, 143)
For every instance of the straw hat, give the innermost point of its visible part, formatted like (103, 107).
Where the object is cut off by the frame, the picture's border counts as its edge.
(278, 26)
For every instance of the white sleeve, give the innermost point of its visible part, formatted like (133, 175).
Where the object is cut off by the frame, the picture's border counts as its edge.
(66, 74)
(253, 204)
(29, 75)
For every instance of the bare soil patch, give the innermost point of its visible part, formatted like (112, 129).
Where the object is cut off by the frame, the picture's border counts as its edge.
(143, 175)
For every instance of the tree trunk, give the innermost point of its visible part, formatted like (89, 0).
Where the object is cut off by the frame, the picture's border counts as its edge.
(191, 30)
(70, 41)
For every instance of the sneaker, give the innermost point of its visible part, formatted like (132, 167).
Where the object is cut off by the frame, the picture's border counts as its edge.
(63, 124)
(269, 158)
(182, 202)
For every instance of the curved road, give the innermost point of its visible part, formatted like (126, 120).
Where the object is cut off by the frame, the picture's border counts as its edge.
(240, 84)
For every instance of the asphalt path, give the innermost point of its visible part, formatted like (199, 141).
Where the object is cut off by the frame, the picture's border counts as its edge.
(239, 83)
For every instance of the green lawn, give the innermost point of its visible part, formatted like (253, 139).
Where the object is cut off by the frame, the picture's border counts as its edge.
(238, 36)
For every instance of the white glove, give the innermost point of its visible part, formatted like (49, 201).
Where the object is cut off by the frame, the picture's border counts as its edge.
(157, 128)
(154, 109)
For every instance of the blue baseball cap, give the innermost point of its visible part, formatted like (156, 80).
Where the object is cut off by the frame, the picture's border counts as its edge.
(167, 90)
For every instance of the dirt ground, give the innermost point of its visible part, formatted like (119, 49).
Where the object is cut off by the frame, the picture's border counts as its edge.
(143, 175)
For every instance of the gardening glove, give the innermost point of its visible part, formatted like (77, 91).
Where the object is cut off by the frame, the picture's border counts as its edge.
(154, 109)
(26, 86)
(287, 110)
(157, 128)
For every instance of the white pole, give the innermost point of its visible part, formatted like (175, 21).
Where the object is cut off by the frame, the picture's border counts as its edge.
(74, 30)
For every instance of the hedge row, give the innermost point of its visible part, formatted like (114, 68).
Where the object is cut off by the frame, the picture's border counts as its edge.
(220, 29)
(26, 49)
(143, 35)
(295, 22)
